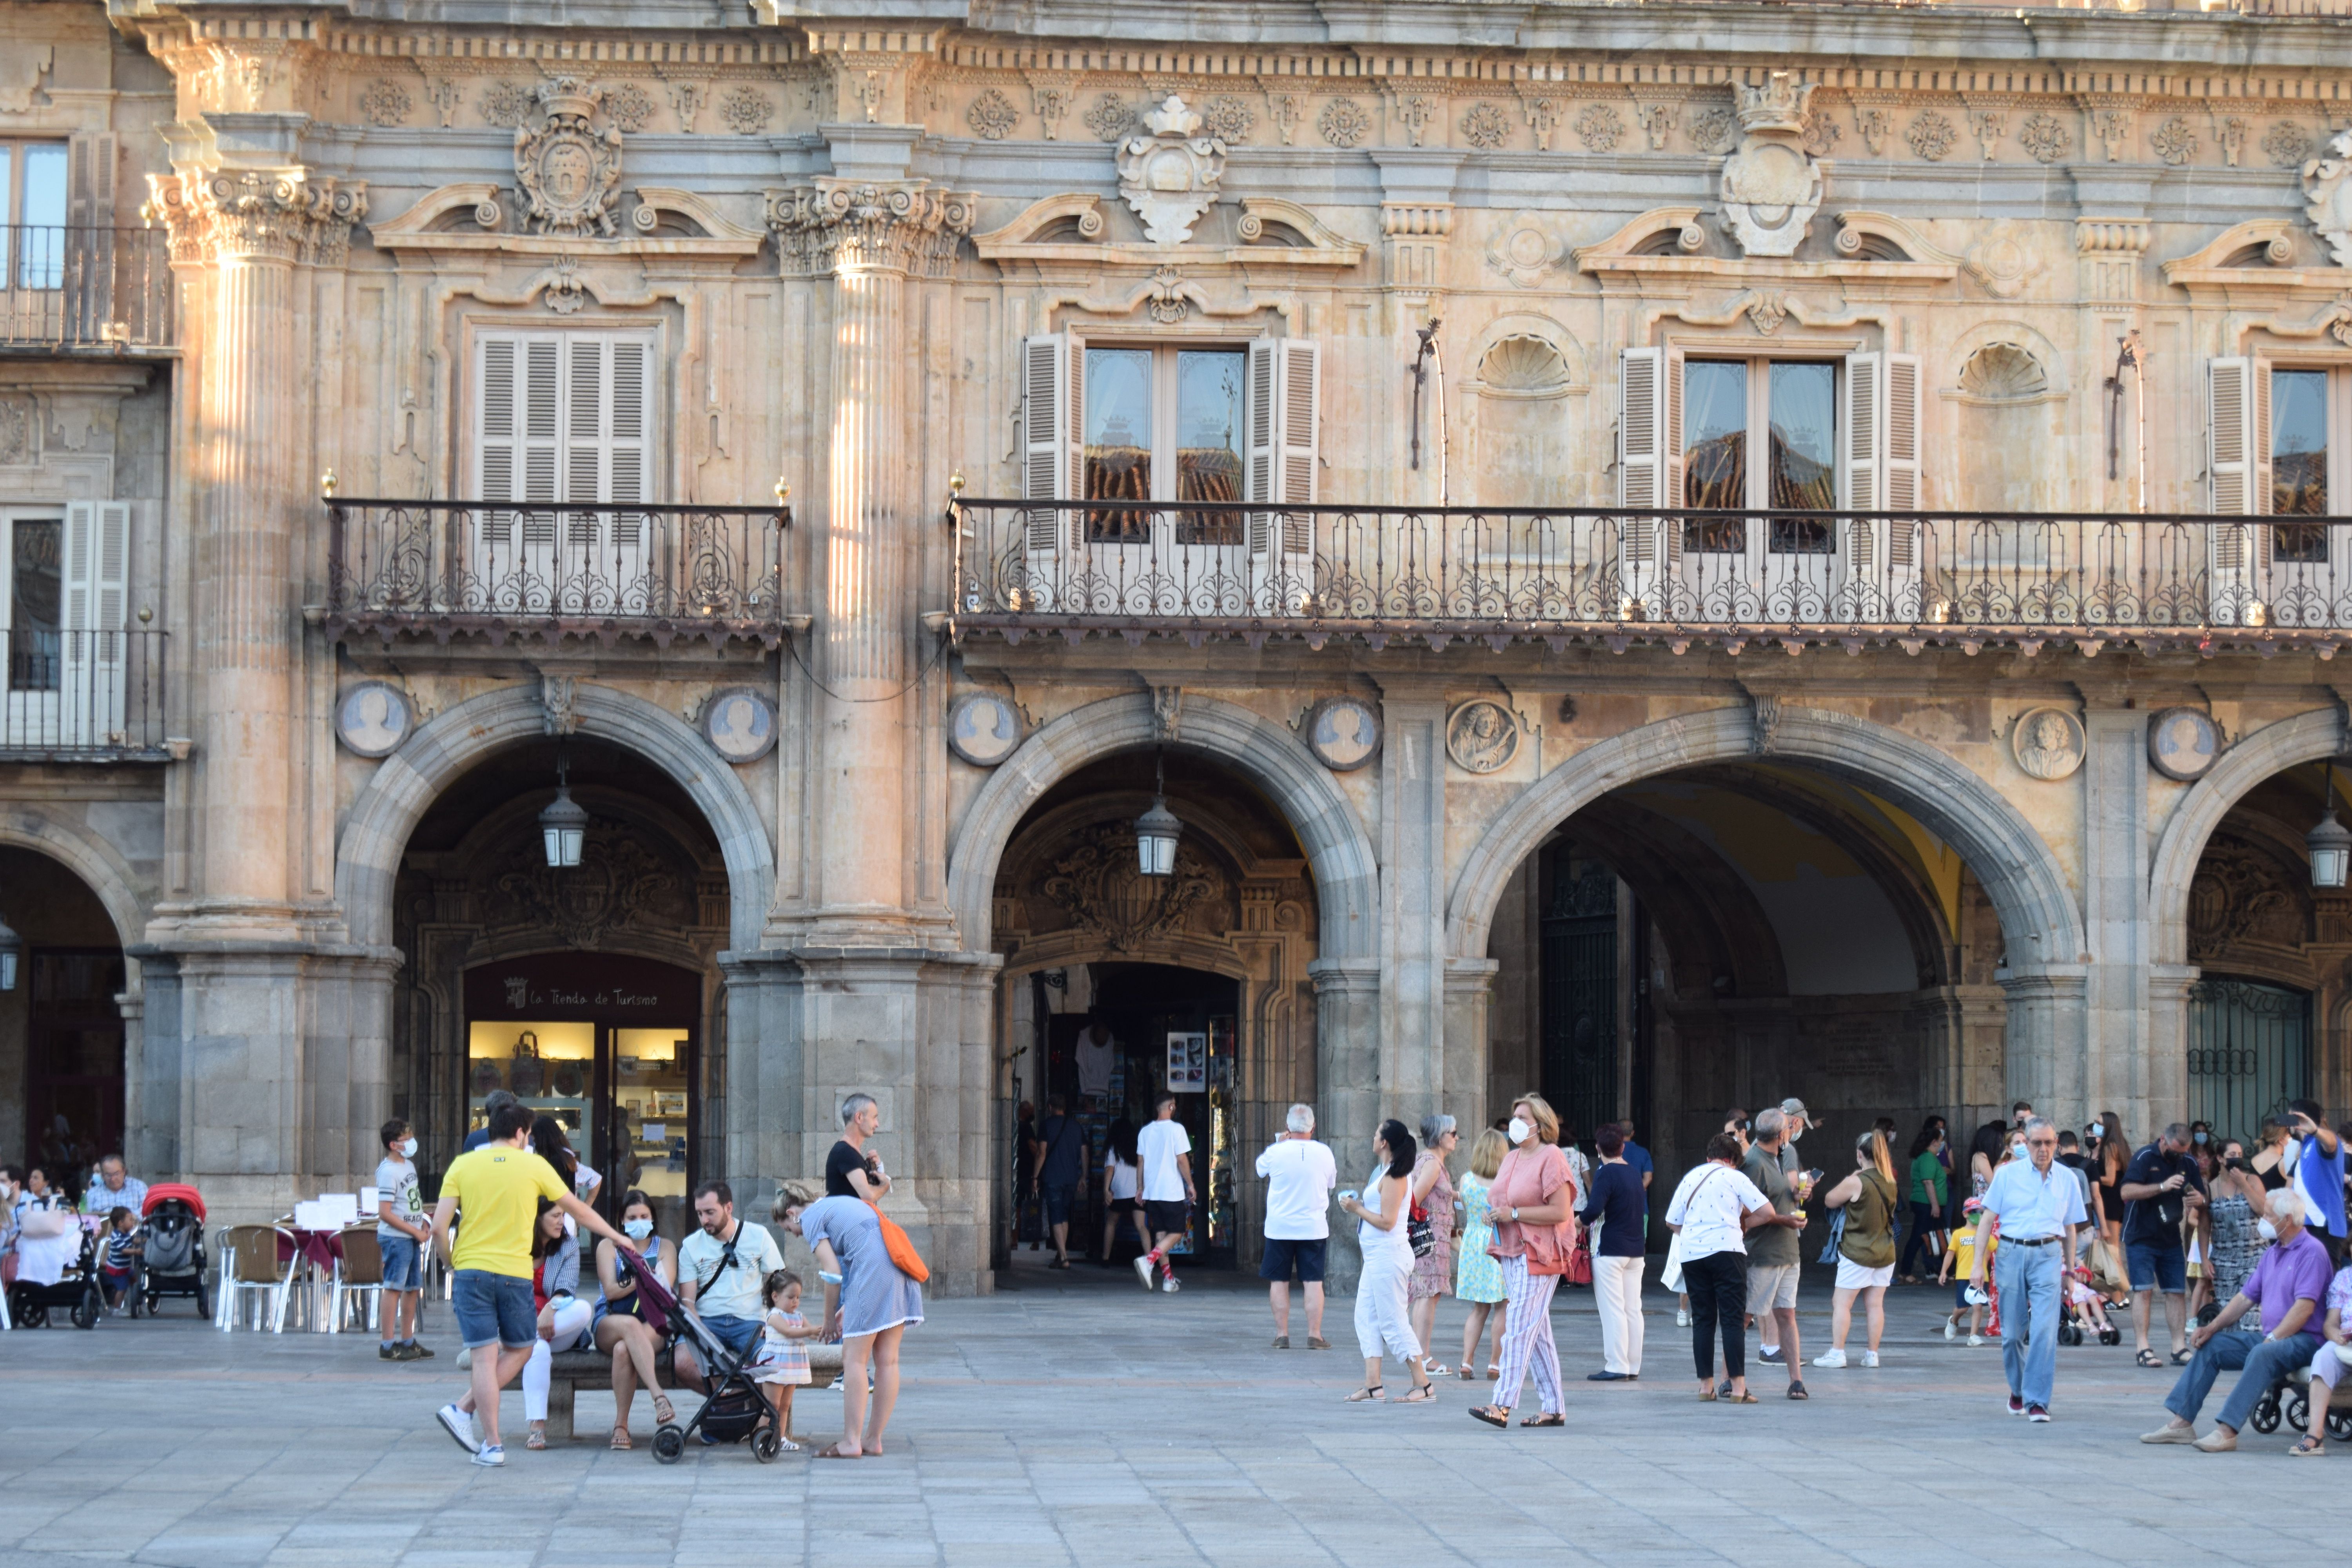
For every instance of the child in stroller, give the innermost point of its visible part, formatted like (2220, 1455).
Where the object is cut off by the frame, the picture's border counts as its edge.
(2086, 1312)
(738, 1408)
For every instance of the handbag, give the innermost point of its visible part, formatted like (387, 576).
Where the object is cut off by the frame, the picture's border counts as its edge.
(1837, 1235)
(1578, 1271)
(900, 1247)
(1417, 1231)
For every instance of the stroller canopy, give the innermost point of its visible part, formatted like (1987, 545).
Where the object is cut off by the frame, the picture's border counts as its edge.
(169, 1191)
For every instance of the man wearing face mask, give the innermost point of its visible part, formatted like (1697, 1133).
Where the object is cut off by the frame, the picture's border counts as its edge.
(2159, 1187)
(403, 1230)
(2288, 1286)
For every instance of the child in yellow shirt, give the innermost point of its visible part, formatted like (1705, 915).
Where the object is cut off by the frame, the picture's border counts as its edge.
(1960, 1261)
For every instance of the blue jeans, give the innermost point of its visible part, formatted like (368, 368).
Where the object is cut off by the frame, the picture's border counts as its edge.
(2264, 1361)
(403, 1265)
(2029, 1278)
(493, 1309)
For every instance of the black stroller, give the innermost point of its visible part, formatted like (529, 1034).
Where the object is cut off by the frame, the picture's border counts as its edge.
(81, 1291)
(173, 1261)
(738, 1407)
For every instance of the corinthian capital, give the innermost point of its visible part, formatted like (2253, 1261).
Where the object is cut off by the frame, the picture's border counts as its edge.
(282, 214)
(848, 225)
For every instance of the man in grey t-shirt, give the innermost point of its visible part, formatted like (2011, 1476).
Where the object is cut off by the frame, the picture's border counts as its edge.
(1772, 1252)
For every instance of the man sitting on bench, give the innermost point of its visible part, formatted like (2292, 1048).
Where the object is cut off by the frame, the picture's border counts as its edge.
(719, 1268)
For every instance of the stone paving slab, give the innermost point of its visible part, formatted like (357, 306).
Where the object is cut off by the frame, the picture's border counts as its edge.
(1073, 1419)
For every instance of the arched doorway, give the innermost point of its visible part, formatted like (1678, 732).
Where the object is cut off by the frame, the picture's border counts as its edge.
(592, 993)
(1117, 986)
(63, 1042)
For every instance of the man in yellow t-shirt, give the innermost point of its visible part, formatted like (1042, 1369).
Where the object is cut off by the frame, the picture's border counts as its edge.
(497, 1187)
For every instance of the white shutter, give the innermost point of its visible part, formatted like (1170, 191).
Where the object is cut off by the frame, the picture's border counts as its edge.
(562, 417)
(628, 463)
(94, 584)
(2238, 460)
(1900, 471)
(2231, 441)
(584, 436)
(91, 160)
(1050, 456)
(1649, 471)
(1861, 433)
(1283, 418)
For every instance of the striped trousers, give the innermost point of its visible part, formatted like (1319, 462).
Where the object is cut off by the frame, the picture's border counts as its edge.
(1526, 1338)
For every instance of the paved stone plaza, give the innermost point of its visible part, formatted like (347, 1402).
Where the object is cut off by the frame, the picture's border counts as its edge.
(1068, 1419)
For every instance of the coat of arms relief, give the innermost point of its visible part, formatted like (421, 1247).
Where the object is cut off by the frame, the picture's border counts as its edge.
(567, 171)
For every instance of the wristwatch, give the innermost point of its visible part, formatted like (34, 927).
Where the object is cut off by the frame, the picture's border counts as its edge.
(1515, 1214)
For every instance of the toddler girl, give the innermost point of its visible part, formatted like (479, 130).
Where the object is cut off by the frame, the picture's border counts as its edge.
(782, 1363)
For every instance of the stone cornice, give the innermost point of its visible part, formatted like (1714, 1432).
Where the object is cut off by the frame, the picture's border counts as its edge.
(284, 213)
(834, 226)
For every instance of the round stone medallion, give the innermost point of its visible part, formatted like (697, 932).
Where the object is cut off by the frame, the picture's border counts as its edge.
(982, 728)
(2047, 742)
(2183, 743)
(1344, 733)
(740, 723)
(372, 719)
(1481, 737)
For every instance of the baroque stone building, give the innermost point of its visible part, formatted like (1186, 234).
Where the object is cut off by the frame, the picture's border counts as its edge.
(1674, 553)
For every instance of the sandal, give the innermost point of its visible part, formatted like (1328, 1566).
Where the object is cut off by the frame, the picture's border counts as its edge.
(1464, 1373)
(1422, 1393)
(2148, 1358)
(833, 1451)
(621, 1439)
(1371, 1394)
(1494, 1372)
(1554, 1418)
(1438, 1369)
(2182, 1356)
(664, 1411)
(2309, 1447)
(1797, 1391)
(537, 1440)
(1740, 1399)
(1493, 1415)
(1707, 1393)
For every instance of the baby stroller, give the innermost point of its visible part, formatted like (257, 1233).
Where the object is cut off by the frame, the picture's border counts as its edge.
(736, 1408)
(2074, 1328)
(80, 1291)
(172, 1263)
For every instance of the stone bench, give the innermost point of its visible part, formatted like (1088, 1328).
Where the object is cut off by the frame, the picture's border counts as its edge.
(574, 1370)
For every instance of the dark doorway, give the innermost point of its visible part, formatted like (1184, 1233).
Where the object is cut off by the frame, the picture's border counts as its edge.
(2248, 1053)
(73, 1077)
(1578, 1068)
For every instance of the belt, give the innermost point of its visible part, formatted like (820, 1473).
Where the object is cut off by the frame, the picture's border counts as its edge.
(2028, 1241)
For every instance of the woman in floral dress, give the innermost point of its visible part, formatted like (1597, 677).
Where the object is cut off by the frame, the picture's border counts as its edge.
(1479, 1278)
(1433, 1190)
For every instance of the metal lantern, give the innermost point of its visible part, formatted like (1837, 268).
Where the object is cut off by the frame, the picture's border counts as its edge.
(11, 948)
(563, 824)
(1157, 830)
(2330, 844)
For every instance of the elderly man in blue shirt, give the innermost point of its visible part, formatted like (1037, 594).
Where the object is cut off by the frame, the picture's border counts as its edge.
(2037, 1205)
(114, 1189)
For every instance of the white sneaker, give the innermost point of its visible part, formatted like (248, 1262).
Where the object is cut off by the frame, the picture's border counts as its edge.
(458, 1425)
(1169, 1285)
(1870, 1358)
(1143, 1271)
(1682, 1317)
(490, 1454)
(1830, 1358)
(1951, 1330)
(1975, 1339)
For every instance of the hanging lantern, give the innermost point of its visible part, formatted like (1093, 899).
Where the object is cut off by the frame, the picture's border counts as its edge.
(564, 824)
(11, 948)
(1157, 830)
(2330, 843)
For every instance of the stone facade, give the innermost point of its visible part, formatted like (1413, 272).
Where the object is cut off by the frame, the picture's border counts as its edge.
(841, 244)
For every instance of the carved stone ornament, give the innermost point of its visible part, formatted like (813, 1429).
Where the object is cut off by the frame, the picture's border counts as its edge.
(372, 719)
(739, 723)
(16, 427)
(1344, 733)
(288, 214)
(1169, 177)
(2285, 145)
(569, 172)
(1481, 737)
(2047, 742)
(2328, 186)
(2183, 743)
(903, 225)
(1100, 886)
(2240, 893)
(983, 728)
(1771, 186)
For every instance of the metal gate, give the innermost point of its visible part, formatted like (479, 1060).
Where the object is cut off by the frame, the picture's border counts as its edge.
(1580, 996)
(2248, 1053)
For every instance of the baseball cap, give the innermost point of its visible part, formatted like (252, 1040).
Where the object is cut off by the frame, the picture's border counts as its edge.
(1792, 1106)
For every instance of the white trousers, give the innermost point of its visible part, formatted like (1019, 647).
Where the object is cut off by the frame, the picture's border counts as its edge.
(1380, 1307)
(1617, 1292)
(572, 1318)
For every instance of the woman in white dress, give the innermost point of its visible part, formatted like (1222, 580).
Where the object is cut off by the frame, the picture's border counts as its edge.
(1380, 1317)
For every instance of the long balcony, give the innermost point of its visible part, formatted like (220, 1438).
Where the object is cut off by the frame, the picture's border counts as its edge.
(1566, 575)
(448, 569)
(83, 697)
(85, 290)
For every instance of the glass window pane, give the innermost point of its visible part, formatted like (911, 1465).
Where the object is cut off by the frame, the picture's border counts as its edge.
(2299, 443)
(1209, 443)
(1118, 439)
(35, 550)
(41, 257)
(1714, 450)
(1802, 419)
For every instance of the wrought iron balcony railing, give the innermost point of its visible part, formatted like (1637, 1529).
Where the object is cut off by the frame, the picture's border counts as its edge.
(108, 289)
(460, 568)
(82, 697)
(1317, 572)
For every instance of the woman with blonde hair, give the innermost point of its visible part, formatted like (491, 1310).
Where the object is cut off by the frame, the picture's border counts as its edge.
(1866, 1247)
(1434, 1198)
(1534, 1203)
(1479, 1278)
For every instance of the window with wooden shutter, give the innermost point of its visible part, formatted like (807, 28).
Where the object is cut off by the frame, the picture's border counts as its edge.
(1050, 427)
(562, 417)
(96, 566)
(1649, 464)
(2238, 460)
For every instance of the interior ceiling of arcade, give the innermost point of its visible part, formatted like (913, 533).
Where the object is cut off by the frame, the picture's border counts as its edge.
(2253, 912)
(612, 784)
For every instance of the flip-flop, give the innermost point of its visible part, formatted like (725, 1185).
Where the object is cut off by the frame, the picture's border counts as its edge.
(1740, 1399)
(1487, 1415)
(1555, 1419)
(1797, 1391)
(833, 1451)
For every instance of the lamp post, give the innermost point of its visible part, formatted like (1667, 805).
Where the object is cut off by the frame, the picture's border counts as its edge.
(1157, 830)
(564, 824)
(2329, 841)
(11, 948)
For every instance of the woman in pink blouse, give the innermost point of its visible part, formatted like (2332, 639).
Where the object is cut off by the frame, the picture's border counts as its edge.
(1533, 1198)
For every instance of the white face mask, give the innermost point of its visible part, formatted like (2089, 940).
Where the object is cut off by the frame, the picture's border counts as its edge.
(2269, 1232)
(408, 1148)
(2094, 1129)
(2017, 1151)
(1519, 1130)
(637, 1229)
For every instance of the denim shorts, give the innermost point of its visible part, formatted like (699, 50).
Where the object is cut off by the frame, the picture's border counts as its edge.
(1282, 1253)
(493, 1309)
(1058, 1202)
(404, 1262)
(2156, 1266)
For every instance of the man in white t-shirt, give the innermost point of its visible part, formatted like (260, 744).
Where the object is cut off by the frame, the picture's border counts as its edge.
(1165, 1151)
(1300, 1173)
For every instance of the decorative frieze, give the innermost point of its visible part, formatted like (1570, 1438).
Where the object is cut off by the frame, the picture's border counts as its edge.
(283, 214)
(835, 225)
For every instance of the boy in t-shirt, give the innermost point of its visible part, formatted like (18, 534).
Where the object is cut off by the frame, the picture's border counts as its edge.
(401, 1229)
(1960, 1259)
(119, 1267)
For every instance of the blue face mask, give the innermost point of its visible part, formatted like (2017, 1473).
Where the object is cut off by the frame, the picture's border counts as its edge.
(637, 1229)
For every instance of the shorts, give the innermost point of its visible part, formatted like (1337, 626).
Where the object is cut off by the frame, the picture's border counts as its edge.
(2154, 1266)
(1171, 1217)
(1853, 1276)
(1771, 1286)
(741, 1335)
(493, 1309)
(1058, 1202)
(1281, 1252)
(404, 1262)
(118, 1278)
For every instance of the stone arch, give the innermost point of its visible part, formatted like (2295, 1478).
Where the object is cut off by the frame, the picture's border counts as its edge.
(368, 856)
(2040, 923)
(98, 863)
(1338, 852)
(2306, 738)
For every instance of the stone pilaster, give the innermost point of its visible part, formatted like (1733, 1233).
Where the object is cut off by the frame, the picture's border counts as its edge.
(1348, 1088)
(2120, 1071)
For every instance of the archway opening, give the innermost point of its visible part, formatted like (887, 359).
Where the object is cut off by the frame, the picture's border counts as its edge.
(1733, 934)
(1119, 987)
(63, 1044)
(591, 993)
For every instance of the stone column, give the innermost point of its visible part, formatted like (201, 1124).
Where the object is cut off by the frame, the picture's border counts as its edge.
(2121, 1072)
(1346, 1086)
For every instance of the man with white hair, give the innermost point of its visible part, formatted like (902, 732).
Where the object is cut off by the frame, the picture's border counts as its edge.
(2037, 1204)
(2288, 1286)
(1299, 1173)
(851, 1171)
